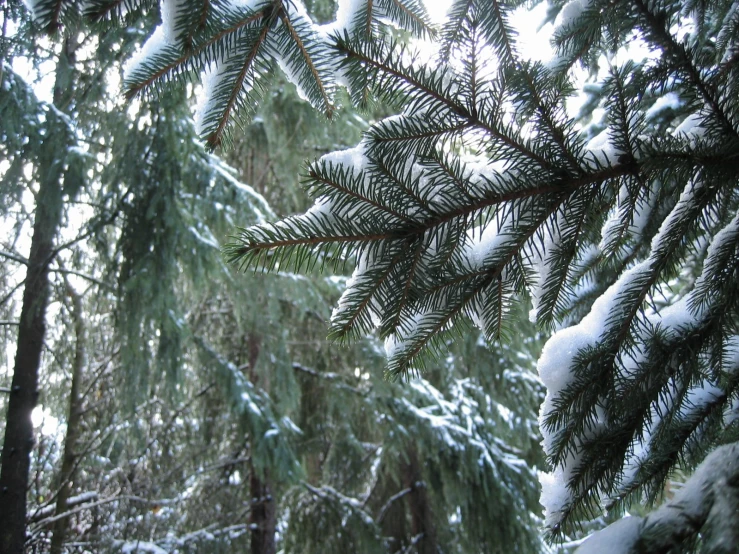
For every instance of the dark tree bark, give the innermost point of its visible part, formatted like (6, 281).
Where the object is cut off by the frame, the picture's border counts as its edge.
(24, 387)
(66, 477)
(263, 514)
(422, 521)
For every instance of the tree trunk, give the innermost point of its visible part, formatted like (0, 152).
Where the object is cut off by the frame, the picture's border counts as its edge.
(263, 515)
(24, 387)
(73, 423)
(422, 522)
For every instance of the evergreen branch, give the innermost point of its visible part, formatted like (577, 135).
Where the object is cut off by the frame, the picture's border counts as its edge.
(352, 505)
(400, 303)
(53, 25)
(452, 32)
(316, 240)
(660, 260)
(560, 187)
(441, 161)
(202, 19)
(676, 432)
(516, 146)
(368, 23)
(380, 164)
(545, 112)
(392, 500)
(13, 256)
(642, 280)
(597, 369)
(502, 36)
(235, 252)
(414, 80)
(577, 56)
(662, 38)
(474, 48)
(709, 495)
(485, 276)
(308, 61)
(215, 137)
(499, 320)
(586, 31)
(360, 310)
(352, 50)
(84, 276)
(12, 292)
(133, 89)
(728, 65)
(99, 10)
(334, 378)
(418, 137)
(551, 295)
(411, 16)
(94, 228)
(204, 13)
(339, 187)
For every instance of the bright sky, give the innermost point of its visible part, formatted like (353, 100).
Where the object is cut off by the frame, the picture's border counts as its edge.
(533, 44)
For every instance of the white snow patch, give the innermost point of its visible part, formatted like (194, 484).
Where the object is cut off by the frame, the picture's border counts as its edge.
(691, 127)
(351, 158)
(618, 538)
(208, 241)
(171, 10)
(141, 546)
(214, 77)
(671, 100)
(153, 46)
(602, 148)
(346, 15)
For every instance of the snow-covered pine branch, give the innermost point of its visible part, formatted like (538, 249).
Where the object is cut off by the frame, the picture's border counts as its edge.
(236, 46)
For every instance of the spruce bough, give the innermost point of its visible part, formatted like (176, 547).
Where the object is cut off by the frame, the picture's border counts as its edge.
(619, 223)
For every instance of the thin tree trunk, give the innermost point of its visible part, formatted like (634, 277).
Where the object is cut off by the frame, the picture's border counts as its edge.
(263, 514)
(422, 522)
(19, 439)
(73, 423)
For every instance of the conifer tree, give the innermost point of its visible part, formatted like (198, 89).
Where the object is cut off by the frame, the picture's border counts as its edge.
(53, 141)
(485, 190)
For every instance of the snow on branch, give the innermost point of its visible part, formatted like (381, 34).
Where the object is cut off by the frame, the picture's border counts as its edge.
(707, 503)
(563, 353)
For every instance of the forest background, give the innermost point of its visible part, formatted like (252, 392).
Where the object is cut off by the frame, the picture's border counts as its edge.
(190, 407)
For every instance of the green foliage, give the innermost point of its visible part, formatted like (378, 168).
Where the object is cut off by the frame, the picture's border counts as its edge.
(445, 443)
(485, 189)
(618, 221)
(199, 380)
(241, 45)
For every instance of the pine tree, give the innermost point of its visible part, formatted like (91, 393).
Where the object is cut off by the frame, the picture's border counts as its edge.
(484, 190)
(48, 155)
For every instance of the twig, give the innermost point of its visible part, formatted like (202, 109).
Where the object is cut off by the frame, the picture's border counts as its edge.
(84, 276)
(386, 507)
(414, 541)
(13, 256)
